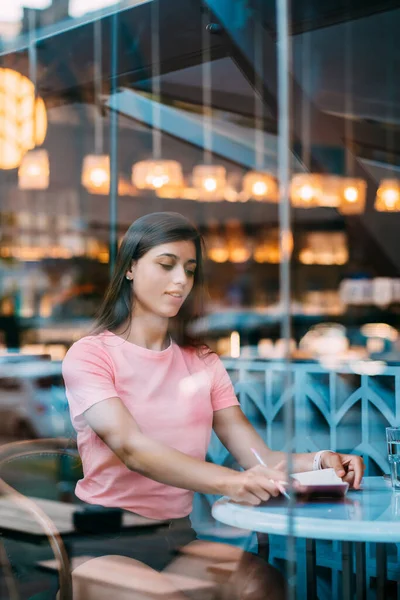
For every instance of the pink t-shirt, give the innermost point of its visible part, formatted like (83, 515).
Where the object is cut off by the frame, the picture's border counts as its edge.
(170, 393)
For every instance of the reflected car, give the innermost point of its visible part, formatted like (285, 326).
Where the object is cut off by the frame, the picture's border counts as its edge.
(33, 403)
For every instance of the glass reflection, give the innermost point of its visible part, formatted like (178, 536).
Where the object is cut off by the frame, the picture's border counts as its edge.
(215, 118)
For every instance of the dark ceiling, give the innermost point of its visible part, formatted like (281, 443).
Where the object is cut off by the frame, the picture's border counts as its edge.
(307, 15)
(370, 55)
(65, 61)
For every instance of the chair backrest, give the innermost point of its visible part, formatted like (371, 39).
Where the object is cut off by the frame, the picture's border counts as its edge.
(48, 470)
(45, 447)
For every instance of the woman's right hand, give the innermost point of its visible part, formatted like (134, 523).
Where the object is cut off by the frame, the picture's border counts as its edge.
(255, 485)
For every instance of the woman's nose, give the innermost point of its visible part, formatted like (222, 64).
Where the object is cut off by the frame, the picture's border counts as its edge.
(180, 276)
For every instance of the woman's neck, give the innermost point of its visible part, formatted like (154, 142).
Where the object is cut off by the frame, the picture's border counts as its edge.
(147, 332)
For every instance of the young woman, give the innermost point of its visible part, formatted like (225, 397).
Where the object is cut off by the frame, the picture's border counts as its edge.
(144, 397)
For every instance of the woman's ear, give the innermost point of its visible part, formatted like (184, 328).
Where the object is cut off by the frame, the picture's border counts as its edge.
(129, 274)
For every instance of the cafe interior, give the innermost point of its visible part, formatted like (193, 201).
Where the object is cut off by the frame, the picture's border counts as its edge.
(278, 135)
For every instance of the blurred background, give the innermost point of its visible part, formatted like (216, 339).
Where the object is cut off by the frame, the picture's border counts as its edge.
(111, 110)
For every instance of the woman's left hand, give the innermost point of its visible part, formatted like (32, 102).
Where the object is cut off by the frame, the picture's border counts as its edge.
(348, 467)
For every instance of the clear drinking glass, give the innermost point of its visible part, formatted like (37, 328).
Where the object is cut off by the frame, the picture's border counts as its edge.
(393, 447)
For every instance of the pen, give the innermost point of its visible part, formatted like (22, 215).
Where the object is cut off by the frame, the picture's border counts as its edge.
(277, 483)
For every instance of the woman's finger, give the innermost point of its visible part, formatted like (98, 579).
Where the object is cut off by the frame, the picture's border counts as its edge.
(249, 498)
(349, 478)
(358, 467)
(261, 492)
(281, 466)
(335, 462)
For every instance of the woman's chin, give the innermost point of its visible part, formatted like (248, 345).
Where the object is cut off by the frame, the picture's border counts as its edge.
(168, 313)
(172, 313)
(171, 309)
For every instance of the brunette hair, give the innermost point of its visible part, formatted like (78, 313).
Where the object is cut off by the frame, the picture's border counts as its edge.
(144, 234)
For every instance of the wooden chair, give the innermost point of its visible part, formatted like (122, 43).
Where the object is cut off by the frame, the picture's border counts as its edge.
(18, 450)
(87, 577)
(118, 576)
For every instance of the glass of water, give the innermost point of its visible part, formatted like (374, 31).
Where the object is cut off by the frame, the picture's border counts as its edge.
(393, 446)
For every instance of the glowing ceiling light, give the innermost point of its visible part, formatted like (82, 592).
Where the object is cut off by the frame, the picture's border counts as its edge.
(388, 196)
(350, 194)
(23, 118)
(260, 186)
(306, 190)
(96, 173)
(155, 174)
(210, 184)
(353, 196)
(34, 170)
(210, 181)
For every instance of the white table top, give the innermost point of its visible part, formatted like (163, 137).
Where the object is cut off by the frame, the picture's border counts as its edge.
(368, 515)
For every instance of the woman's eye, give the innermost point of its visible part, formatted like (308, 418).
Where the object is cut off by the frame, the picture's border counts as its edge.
(189, 272)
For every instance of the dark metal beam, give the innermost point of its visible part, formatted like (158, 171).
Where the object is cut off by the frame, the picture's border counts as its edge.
(71, 50)
(314, 14)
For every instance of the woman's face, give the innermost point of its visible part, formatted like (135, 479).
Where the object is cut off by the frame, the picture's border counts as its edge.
(163, 278)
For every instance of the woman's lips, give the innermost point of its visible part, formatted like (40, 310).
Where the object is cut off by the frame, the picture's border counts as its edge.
(176, 297)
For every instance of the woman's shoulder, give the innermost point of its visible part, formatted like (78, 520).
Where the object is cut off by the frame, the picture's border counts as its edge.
(92, 343)
(202, 355)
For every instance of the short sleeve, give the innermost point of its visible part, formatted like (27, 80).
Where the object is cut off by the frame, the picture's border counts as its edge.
(222, 392)
(88, 375)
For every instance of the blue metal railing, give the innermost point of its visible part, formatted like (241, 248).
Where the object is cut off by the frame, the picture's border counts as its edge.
(337, 409)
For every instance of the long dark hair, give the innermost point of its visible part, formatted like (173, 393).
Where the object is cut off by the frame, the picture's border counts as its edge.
(145, 233)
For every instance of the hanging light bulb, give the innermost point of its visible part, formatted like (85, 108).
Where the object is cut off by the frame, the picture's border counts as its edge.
(23, 118)
(96, 174)
(216, 244)
(34, 170)
(324, 248)
(218, 250)
(309, 190)
(306, 190)
(352, 200)
(267, 252)
(209, 181)
(240, 248)
(267, 249)
(388, 196)
(96, 167)
(157, 174)
(260, 186)
(240, 252)
(331, 186)
(257, 184)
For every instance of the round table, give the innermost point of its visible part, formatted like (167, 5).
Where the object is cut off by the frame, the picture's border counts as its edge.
(371, 514)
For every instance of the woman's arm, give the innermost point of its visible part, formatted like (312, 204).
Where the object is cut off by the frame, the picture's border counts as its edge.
(114, 424)
(239, 436)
